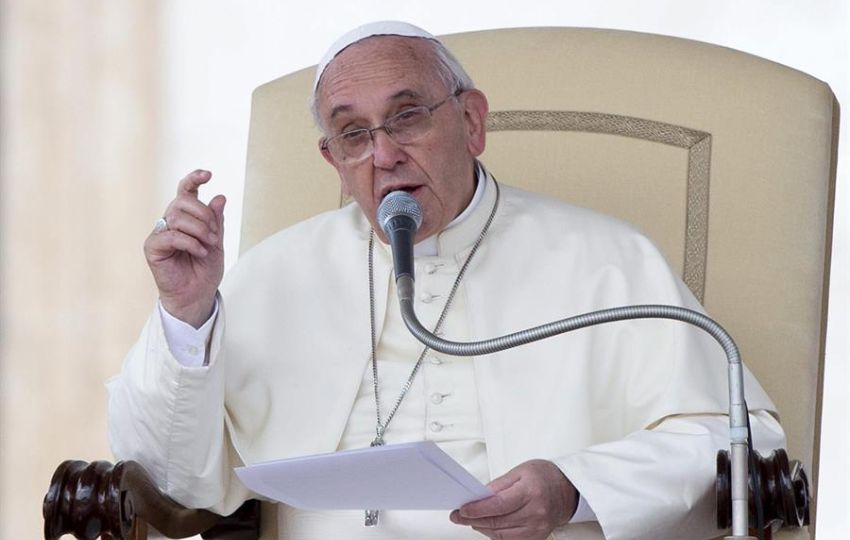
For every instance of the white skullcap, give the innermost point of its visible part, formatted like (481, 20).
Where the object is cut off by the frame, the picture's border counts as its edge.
(380, 28)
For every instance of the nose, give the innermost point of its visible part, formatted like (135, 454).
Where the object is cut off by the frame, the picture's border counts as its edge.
(387, 152)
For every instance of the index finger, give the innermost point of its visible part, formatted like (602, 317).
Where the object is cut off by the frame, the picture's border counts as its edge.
(190, 183)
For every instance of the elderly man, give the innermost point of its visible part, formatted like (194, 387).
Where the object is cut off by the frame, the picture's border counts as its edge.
(611, 430)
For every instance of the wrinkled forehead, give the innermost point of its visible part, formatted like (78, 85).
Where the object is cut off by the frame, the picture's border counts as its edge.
(377, 72)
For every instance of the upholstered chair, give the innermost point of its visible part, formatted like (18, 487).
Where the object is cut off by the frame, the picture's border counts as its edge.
(726, 160)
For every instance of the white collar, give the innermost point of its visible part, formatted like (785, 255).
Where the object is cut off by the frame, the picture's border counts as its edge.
(429, 247)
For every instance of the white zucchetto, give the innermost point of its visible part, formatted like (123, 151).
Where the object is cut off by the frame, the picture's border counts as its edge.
(379, 28)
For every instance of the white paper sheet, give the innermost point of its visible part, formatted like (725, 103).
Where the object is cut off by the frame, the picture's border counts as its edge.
(409, 476)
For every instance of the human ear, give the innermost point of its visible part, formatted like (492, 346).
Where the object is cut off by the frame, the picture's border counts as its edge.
(475, 109)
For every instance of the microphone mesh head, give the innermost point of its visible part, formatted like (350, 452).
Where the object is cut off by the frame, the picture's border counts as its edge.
(399, 203)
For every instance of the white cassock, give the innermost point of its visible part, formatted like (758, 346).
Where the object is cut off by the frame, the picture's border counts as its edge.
(632, 412)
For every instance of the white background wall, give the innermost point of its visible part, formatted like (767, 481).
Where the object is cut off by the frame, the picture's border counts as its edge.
(217, 52)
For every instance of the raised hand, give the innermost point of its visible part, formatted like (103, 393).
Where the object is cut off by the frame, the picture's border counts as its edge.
(187, 257)
(530, 501)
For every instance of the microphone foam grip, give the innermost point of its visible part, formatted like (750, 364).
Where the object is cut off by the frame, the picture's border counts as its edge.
(396, 204)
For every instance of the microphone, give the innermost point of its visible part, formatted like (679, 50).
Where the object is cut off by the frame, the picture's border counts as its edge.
(399, 216)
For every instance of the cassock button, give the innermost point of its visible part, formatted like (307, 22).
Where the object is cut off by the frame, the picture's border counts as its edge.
(435, 360)
(191, 349)
(436, 427)
(436, 398)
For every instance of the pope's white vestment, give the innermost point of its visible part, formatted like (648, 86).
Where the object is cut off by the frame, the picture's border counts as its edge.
(632, 412)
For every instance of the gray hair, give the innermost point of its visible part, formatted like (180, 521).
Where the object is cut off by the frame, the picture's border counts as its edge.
(448, 68)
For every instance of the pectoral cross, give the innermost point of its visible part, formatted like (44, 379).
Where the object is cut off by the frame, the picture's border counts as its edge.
(372, 515)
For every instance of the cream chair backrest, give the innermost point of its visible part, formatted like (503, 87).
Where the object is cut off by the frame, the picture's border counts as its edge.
(725, 159)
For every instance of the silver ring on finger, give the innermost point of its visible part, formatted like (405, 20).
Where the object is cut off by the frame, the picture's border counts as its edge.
(160, 226)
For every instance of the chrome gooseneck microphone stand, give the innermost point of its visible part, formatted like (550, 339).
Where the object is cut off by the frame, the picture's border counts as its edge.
(737, 407)
(738, 415)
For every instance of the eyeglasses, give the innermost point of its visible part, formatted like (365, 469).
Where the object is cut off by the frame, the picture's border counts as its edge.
(404, 128)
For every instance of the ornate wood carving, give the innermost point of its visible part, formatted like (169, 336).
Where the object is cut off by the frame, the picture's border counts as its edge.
(784, 491)
(98, 500)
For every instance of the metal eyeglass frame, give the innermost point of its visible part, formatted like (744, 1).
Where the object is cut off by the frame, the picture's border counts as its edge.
(387, 128)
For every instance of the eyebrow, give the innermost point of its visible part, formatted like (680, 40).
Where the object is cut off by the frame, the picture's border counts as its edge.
(401, 94)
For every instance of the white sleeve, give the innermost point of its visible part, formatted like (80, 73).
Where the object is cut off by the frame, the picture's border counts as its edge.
(187, 343)
(659, 483)
(584, 512)
(171, 419)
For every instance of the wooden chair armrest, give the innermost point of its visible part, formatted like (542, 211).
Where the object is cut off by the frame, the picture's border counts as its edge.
(784, 488)
(91, 500)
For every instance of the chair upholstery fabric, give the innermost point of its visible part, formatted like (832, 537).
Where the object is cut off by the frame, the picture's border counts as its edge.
(726, 160)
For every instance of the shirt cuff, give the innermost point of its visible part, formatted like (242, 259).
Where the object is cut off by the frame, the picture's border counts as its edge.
(583, 512)
(187, 343)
